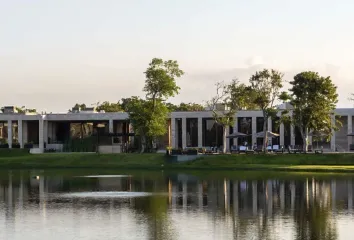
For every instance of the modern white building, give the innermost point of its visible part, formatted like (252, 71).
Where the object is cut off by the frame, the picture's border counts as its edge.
(185, 129)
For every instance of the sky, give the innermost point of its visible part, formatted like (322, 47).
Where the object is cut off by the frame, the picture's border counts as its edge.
(56, 53)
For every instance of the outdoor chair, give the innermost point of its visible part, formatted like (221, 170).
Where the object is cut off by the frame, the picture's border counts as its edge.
(277, 149)
(269, 149)
(242, 149)
(233, 149)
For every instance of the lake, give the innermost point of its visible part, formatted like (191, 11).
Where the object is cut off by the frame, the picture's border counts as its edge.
(155, 205)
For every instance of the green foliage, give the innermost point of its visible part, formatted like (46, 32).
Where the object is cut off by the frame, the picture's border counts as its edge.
(185, 107)
(161, 77)
(110, 107)
(23, 109)
(148, 116)
(145, 121)
(314, 100)
(241, 96)
(266, 86)
(81, 106)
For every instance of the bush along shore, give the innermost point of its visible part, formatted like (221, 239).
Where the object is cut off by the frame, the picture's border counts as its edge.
(21, 159)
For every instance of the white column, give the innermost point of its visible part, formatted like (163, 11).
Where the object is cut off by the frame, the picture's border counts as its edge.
(333, 137)
(20, 133)
(310, 140)
(200, 132)
(350, 130)
(270, 128)
(227, 139)
(184, 133)
(45, 131)
(40, 133)
(173, 133)
(111, 126)
(9, 133)
(292, 135)
(235, 130)
(254, 130)
(24, 132)
(282, 134)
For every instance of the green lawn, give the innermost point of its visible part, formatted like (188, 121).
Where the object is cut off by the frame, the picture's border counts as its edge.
(17, 159)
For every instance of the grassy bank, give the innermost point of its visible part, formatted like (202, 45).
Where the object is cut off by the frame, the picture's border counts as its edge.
(286, 162)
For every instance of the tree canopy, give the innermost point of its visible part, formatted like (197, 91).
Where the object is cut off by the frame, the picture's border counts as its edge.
(185, 107)
(231, 97)
(149, 116)
(313, 98)
(160, 80)
(110, 107)
(266, 86)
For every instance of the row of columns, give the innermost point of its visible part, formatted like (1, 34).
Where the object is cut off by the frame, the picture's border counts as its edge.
(42, 133)
(174, 132)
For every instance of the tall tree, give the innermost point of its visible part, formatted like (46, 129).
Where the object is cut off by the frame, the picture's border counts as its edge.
(149, 117)
(160, 80)
(313, 98)
(231, 98)
(147, 124)
(266, 86)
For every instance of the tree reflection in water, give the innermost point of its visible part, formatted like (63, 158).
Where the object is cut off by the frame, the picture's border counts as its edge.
(218, 208)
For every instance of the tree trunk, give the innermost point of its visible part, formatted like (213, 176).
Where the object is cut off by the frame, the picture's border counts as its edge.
(224, 139)
(265, 135)
(305, 139)
(143, 144)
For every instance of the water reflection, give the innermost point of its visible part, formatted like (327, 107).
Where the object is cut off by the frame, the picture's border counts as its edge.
(181, 207)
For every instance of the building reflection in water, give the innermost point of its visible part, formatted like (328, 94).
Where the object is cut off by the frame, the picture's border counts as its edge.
(253, 208)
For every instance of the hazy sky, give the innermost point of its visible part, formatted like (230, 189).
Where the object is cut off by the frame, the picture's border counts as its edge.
(56, 53)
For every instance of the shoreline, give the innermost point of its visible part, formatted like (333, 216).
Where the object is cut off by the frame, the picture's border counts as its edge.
(336, 163)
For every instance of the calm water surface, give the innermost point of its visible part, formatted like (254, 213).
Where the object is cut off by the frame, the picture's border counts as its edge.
(161, 206)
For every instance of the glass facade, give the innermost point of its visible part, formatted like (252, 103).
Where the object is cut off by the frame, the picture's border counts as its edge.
(245, 126)
(212, 133)
(192, 132)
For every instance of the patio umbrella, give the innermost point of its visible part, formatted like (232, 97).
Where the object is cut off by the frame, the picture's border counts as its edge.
(269, 134)
(236, 135)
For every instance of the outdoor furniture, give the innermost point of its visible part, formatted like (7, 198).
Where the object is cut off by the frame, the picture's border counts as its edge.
(293, 150)
(249, 151)
(242, 149)
(277, 149)
(233, 149)
(269, 149)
